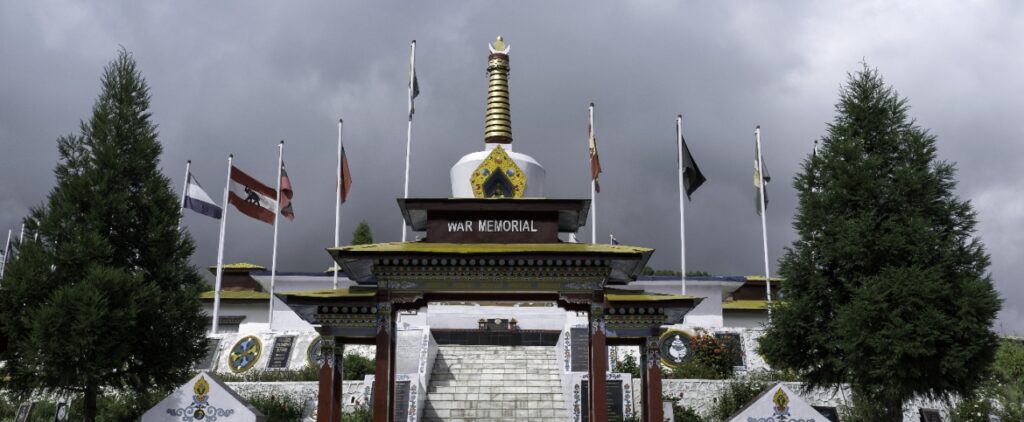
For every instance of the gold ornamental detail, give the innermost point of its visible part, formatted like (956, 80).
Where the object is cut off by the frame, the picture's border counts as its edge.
(498, 121)
(498, 177)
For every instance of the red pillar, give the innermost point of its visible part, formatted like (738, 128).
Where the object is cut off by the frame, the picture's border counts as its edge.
(598, 366)
(329, 403)
(383, 375)
(652, 382)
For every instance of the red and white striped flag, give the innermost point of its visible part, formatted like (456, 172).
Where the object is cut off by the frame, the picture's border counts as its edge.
(252, 197)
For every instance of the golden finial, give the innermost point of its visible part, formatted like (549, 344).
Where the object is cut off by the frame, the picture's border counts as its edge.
(498, 121)
(499, 46)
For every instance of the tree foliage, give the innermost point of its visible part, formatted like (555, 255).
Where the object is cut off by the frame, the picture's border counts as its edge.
(362, 235)
(105, 297)
(886, 286)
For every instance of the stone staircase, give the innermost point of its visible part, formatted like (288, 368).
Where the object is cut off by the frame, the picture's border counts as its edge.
(494, 383)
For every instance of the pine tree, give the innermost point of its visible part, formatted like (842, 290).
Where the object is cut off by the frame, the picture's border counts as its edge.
(106, 297)
(886, 287)
(362, 235)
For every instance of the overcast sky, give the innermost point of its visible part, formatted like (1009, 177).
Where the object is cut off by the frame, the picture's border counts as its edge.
(237, 77)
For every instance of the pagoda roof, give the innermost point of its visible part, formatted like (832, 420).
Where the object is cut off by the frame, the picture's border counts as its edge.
(490, 248)
(238, 267)
(625, 261)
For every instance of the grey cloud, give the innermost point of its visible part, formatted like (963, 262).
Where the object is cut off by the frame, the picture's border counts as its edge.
(236, 77)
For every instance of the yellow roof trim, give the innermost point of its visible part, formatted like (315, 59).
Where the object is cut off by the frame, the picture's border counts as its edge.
(347, 292)
(491, 248)
(238, 266)
(236, 295)
(745, 305)
(761, 278)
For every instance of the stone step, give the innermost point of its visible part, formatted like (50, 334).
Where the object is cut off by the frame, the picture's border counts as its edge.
(494, 383)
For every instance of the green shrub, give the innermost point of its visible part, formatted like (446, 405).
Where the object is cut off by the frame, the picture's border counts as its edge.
(628, 365)
(356, 367)
(277, 408)
(359, 414)
(734, 396)
(309, 373)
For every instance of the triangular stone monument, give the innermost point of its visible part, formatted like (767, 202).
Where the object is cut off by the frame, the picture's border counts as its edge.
(203, 398)
(778, 404)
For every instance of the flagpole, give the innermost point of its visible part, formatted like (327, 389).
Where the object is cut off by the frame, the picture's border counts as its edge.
(277, 214)
(220, 251)
(764, 224)
(593, 186)
(184, 191)
(337, 205)
(21, 237)
(408, 131)
(7, 251)
(682, 208)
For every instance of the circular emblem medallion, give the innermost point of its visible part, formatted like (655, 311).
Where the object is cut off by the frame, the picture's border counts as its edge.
(245, 354)
(676, 348)
(313, 355)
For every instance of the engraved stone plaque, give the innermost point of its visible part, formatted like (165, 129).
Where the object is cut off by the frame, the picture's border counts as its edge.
(281, 352)
(580, 347)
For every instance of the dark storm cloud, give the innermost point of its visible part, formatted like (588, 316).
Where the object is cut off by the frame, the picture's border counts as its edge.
(236, 77)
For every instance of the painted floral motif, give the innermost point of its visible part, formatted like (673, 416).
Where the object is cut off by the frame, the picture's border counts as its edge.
(576, 403)
(627, 392)
(568, 344)
(200, 408)
(412, 403)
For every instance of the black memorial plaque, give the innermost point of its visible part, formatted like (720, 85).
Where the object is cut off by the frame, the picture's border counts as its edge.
(402, 400)
(281, 351)
(828, 412)
(579, 346)
(212, 345)
(930, 415)
(613, 397)
(24, 411)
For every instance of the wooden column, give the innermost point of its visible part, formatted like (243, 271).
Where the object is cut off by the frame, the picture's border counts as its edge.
(598, 365)
(652, 381)
(331, 374)
(384, 377)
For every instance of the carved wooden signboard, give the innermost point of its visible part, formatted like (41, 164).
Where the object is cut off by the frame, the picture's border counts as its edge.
(492, 227)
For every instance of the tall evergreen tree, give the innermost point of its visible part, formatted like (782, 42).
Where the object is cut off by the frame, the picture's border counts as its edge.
(106, 297)
(362, 235)
(886, 286)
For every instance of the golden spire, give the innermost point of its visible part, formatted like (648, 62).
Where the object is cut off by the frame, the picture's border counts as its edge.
(498, 122)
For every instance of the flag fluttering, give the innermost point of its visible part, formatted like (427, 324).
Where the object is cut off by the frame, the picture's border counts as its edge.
(286, 193)
(758, 167)
(595, 161)
(345, 184)
(252, 197)
(196, 199)
(612, 240)
(692, 177)
(414, 83)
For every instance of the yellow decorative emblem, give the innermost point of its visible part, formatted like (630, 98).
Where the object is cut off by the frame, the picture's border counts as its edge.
(201, 388)
(498, 177)
(781, 401)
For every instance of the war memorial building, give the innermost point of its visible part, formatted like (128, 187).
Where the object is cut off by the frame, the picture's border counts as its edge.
(489, 314)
